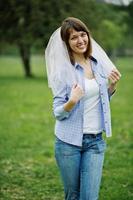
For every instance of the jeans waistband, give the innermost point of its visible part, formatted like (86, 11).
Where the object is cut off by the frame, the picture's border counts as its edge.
(87, 135)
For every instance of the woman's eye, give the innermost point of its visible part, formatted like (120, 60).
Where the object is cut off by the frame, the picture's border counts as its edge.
(83, 34)
(73, 38)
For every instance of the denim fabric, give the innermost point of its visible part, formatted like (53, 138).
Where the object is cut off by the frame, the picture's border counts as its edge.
(81, 167)
(69, 125)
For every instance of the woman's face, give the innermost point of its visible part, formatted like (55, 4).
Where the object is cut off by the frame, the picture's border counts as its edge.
(78, 41)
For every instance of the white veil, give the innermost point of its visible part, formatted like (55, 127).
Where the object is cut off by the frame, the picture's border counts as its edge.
(58, 65)
(101, 56)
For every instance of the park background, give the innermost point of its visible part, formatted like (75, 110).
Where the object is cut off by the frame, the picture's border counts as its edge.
(28, 170)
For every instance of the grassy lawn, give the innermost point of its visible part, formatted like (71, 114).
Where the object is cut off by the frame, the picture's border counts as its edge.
(27, 166)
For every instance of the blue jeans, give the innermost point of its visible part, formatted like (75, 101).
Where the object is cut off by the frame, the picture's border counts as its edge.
(81, 167)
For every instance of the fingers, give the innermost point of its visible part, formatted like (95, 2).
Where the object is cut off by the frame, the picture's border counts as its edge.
(116, 72)
(114, 76)
(76, 93)
(74, 85)
(77, 89)
(77, 86)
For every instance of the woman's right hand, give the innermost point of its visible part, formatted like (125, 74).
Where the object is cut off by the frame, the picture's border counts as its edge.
(76, 93)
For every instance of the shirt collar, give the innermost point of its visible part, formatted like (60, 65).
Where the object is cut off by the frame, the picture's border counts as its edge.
(92, 58)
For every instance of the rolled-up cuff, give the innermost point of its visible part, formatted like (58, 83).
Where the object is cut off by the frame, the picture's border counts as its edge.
(61, 113)
(111, 94)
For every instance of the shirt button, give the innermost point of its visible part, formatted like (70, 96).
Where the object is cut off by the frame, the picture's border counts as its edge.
(106, 122)
(101, 93)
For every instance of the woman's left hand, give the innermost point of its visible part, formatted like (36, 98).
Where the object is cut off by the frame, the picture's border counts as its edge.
(114, 77)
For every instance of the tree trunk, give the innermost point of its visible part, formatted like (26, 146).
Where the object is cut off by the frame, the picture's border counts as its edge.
(25, 55)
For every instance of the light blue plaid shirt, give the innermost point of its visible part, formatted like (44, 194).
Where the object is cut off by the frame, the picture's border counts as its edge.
(69, 125)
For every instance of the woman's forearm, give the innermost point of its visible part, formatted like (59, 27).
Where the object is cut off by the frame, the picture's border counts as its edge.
(112, 88)
(68, 106)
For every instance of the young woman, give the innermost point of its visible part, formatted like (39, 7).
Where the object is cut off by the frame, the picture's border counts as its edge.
(78, 73)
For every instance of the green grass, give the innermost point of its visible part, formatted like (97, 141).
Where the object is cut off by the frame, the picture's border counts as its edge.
(28, 169)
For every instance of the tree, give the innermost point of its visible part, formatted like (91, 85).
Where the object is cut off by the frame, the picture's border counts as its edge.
(18, 20)
(127, 24)
(29, 23)
(26, 23)
(129, 20)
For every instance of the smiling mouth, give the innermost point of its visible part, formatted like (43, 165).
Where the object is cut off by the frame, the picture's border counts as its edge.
(81, 46)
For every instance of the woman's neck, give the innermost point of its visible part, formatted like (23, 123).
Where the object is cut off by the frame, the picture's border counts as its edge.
(80, 58)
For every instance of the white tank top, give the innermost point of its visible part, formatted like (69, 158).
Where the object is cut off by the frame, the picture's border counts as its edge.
(92, 108)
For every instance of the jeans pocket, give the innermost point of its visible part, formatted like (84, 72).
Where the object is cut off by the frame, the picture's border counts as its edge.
(99, 146)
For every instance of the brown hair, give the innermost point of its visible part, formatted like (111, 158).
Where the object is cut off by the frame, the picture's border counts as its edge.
(73, 23)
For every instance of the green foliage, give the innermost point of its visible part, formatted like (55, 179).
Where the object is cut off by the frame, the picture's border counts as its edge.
(128, 40)
(29, 24)
(32, 22)
(110, 35)
(28, 169)
(21, 21)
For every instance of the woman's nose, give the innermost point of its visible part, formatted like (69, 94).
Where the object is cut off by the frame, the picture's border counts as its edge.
(80, 40)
